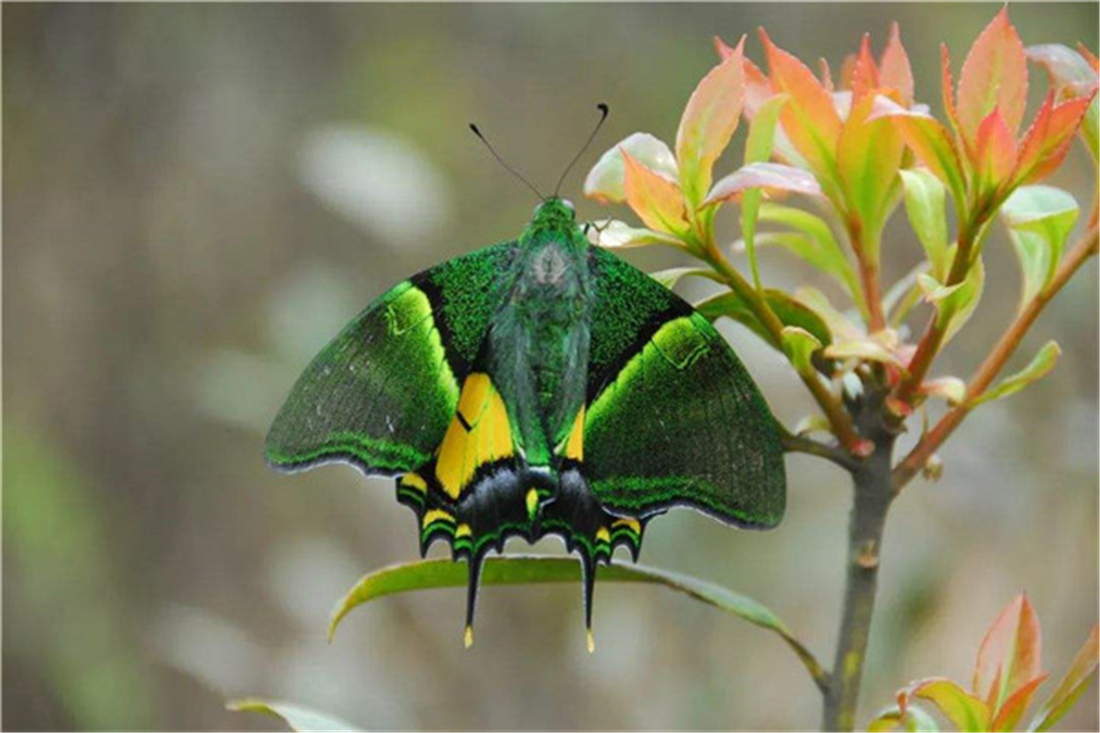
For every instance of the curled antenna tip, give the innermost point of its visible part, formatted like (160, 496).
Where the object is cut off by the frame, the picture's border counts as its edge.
(468, 638)
(591, 642)
(603, 108)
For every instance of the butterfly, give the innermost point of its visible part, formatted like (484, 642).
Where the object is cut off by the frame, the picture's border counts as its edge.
(542, 386)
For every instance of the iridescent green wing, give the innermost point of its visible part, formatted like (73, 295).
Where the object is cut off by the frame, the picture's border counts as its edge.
(382, 393)
(672, 417)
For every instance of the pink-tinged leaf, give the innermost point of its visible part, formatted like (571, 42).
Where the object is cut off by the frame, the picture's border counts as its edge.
(930, 142)
(724, 49)
(966, 712)
(868, 155)
(1072, 686)
(657, 201)
(1014, 707)
(949, 107)
(606, 179)
(865, 73)
(1070, 72)
(810, 118)
(1011, 651)
(994, 76)
(708, 123)
(1048, 139)
(763, 175)
(826, 74)
(894, 71)
(995, 149)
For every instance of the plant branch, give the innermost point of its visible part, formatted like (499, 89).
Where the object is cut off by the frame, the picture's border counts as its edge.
(794, 443)
(873, 494)
(827, 400)
(1005, 347)
(868, 276)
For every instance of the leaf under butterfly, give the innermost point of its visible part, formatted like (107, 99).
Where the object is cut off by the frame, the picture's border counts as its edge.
(523, 569)
(299, 718)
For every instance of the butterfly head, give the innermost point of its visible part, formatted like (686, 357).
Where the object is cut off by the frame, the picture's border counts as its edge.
(555, 211)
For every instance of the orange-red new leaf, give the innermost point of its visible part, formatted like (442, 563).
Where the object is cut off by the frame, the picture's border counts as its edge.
(1015, 705)
(1048, 139)
(865, 73)
(894, 71)
(995, 152)
(656, 200)
(994, 76)
(809, 118)
(1010, 653)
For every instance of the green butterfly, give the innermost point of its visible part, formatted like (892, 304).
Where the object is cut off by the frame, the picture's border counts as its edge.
(540, 386)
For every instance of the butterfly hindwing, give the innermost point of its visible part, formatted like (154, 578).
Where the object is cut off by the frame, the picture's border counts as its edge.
(673, 417)
(382, 393)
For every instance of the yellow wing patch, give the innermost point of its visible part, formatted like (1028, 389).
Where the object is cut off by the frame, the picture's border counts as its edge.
(574, 444)
(479, 433)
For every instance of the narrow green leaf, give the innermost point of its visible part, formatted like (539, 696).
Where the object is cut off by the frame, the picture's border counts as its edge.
(1039, 219)
(925, 200)
(954, 303)
(522, 569)
(758, 148)
(296, 716)
(903, 295)
(816, 245)
(1039, 366)
(1080, 674)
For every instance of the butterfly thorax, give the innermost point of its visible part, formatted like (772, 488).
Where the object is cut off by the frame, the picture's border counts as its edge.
(539, 341)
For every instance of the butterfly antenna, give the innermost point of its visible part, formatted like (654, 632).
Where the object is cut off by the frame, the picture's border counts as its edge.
(603, 116)
(500, 160)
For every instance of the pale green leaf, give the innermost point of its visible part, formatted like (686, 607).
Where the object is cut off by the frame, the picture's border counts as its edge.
(925, 198)
(616, 234)
(915, 720)
(799, 346)
(951, 389)
(954, 303)
(758, 148)
(1039, 366)
(606, 180)
(673, 275)
(1039, 219)
(296, 716)
(524, 569)
(966, 712)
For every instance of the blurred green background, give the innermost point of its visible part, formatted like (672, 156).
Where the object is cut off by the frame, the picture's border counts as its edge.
(197, 197)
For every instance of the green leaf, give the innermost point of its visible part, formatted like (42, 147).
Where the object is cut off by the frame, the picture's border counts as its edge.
(813, 242)
(799, 345)
(915, 719)
(925, 198)
(954, 303)
(1073, 685)
(966, 712)
(606, 180)
(903, 295)
(296, 716)
(790, 312)
(1036, 369)
(1039, 219)
(523, 569)
(951, 389)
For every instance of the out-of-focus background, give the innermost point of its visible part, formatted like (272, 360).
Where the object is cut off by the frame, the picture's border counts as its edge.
(197, 197)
